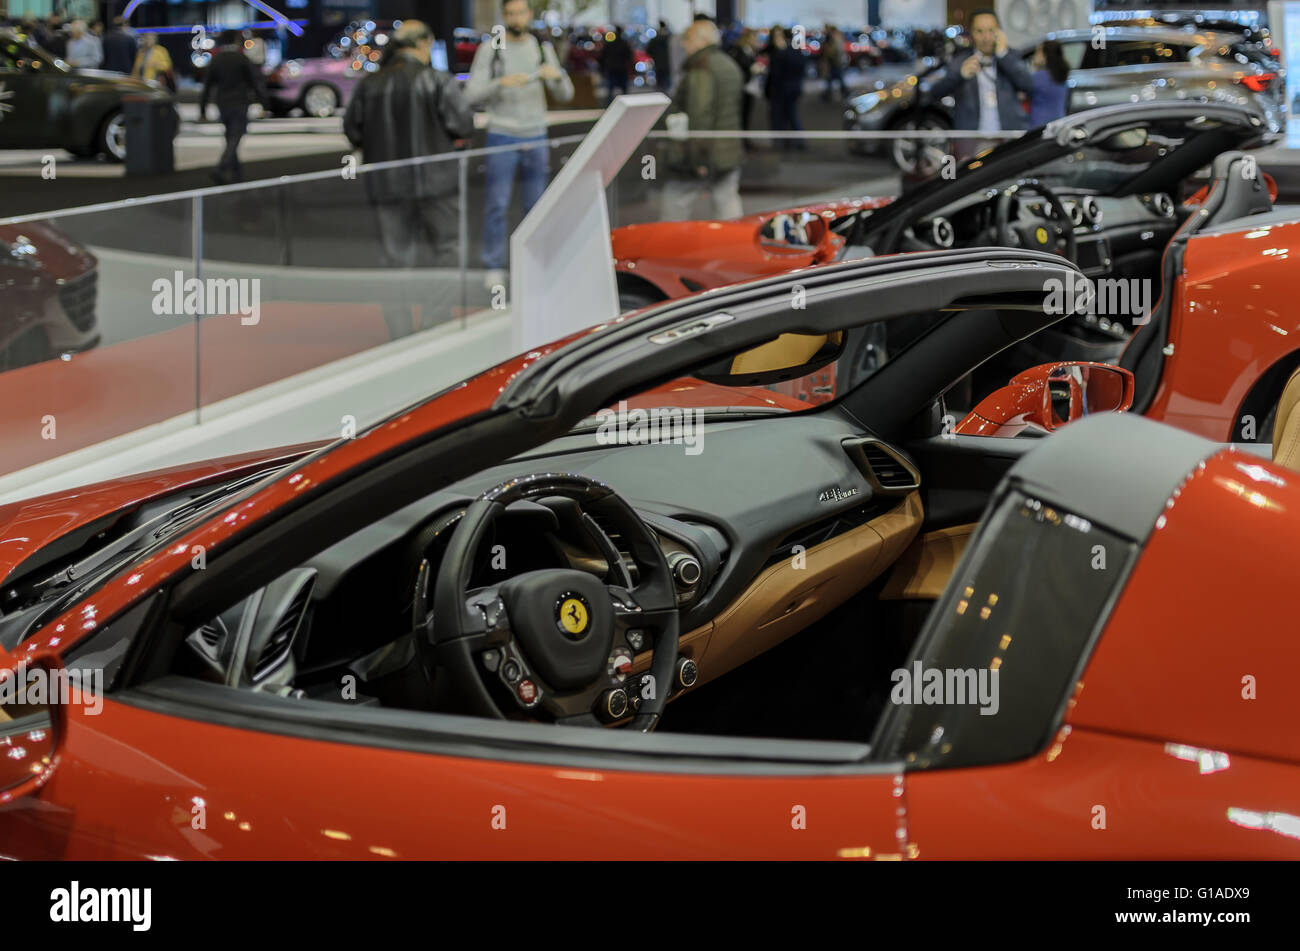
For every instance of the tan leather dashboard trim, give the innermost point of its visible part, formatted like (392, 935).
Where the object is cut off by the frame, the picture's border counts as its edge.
(790, 595)
(924, 569)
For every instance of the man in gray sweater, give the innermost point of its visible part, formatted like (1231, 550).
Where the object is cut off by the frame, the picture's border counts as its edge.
(510, 77)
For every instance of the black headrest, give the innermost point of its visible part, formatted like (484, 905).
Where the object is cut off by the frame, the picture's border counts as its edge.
(1238, 189)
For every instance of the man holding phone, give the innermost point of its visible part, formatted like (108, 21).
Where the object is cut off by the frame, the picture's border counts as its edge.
(985, 82)
(511, 79)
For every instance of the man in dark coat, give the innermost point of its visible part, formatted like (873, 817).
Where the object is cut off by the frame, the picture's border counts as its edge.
(616, 64)
(405, 110)
(119, 48)
(660, 50)
(234, 83)
(709, 96)
(784, 86)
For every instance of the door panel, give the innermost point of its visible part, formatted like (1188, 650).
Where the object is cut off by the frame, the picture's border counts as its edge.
(959, 474)
(262, 795)
(1100, 796)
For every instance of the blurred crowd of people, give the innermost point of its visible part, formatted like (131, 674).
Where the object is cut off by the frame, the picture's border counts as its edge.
(117, 49)
(715, 77)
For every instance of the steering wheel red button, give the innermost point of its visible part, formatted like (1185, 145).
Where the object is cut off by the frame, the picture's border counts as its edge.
(620, 663)
(527, 692)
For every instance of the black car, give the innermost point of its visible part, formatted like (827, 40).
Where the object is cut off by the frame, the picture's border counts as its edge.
(45, 103)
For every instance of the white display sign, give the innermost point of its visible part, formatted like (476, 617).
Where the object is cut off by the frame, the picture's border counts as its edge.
(929, 14)
(843, 13)
(1284, 25)
(1028, 21)
(561, 261)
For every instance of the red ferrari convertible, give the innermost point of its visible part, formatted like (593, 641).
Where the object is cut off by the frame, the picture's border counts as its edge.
(588, 604)
(1170, 221)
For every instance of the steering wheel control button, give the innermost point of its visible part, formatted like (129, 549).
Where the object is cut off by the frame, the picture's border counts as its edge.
(638, 690)
(686, 569)
(620, 664)
(623, 603)
(687, 673)
(573, 615)
(636, 639)
(613, 705)
(527, 693)
(494, 613)
(511, 671)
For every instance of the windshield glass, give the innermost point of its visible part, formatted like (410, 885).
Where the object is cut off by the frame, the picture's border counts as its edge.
(859, 354)
(47, 589)
(1107, 166)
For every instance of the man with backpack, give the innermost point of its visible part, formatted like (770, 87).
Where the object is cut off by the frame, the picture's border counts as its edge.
(511, 79)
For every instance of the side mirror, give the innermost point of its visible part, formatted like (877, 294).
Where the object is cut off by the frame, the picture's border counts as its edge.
(828, 248)
(30, 725)
(1046, 397)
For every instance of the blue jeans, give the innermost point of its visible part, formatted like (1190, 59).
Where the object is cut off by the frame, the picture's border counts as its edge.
(502, 167)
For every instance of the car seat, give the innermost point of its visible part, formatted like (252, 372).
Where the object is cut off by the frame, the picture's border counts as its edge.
(1286, 425)
(1232, 193)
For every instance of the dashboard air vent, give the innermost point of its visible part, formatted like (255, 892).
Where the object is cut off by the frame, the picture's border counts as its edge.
(620, 544)
(886, 469)
(281, 639)
(212, 633)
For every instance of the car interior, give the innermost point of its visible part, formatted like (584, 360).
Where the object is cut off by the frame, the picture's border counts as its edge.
(793, 623)
(579, 582)
(1121, 207)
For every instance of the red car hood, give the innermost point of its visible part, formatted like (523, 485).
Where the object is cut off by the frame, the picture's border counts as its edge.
(674, 255)
(58, 255)
(28, 526)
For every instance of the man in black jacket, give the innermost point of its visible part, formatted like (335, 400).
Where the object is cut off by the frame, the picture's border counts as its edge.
(616, 64)
(406, 110)
(119, 48)
(234, 82)
(660, 50)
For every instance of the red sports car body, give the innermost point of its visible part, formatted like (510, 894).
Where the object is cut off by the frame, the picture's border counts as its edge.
(230, 608)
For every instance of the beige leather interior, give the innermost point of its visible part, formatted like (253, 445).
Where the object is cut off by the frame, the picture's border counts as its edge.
(1286, 425)
(924, 569)
(787, 350)
(796, 592)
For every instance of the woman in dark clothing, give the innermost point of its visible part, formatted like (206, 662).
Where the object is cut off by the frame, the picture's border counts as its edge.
(745, 54)
(1047, 101)
(784, 87)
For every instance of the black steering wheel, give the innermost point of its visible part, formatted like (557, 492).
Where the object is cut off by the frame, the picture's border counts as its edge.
(555, 644)
(1048, 234)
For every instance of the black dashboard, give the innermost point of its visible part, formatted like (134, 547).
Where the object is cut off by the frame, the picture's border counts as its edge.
(721, 516)
(1115, 236)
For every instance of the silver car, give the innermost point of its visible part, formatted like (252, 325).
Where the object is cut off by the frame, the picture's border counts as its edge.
(1133, 64)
